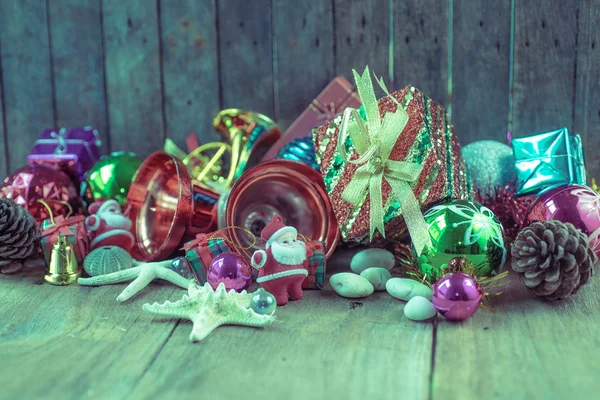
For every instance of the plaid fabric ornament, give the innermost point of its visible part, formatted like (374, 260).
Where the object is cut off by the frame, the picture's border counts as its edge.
(315, 255)
(201, 251)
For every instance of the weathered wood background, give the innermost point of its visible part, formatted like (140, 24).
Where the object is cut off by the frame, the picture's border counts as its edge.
(143, 70)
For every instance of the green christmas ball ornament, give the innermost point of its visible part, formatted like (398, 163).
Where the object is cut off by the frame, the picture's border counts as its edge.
(110, 178)
(462, 228)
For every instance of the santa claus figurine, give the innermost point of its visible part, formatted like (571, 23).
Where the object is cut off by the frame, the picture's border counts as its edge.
(282, 267)
(107, 226)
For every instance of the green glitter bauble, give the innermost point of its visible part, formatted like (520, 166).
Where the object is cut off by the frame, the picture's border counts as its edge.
(462, 228)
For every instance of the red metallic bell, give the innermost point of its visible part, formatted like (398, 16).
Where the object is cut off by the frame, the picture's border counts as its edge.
(167, 207)
(289, 189)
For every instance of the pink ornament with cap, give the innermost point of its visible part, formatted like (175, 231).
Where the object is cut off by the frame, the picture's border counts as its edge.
(283, 264)
(108, 226)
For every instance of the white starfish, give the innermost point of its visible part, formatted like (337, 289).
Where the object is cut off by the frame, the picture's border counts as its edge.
(208, 309)
(141, 276)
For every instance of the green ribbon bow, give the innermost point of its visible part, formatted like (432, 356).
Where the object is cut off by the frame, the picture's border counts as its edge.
(374, 143)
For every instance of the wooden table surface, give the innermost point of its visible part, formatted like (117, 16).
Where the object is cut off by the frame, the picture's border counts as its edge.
(77, 342)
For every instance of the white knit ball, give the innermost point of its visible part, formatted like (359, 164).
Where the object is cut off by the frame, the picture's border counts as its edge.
(490, 163)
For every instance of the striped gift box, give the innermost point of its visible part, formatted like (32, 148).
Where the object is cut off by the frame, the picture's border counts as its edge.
(315, 255)
(200, 252)
(428, 139)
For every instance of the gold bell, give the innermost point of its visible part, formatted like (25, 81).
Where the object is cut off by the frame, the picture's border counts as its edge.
(63, 268)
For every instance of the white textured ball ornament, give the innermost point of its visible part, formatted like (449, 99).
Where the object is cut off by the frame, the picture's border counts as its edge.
(490, 163)
(107, 259)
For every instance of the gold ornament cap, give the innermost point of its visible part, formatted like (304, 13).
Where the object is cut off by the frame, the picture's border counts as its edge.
(63, 268)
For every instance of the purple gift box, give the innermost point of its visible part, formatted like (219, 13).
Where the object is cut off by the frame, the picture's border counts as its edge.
(73, 151)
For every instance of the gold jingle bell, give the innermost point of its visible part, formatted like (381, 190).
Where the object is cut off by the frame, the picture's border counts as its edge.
(63, 268)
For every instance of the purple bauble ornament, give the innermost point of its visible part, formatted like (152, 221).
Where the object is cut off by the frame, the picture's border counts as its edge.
(232, 270)
(457, 296)
(576, 204)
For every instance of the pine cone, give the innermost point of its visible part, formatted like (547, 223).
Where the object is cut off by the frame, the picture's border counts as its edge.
(553, 259)
(19, 238)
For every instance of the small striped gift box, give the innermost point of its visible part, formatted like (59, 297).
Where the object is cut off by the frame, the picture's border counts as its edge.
(200, 252)
(315, 255)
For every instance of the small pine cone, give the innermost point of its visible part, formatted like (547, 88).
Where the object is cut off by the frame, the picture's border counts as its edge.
(553, 259)
(19, 237)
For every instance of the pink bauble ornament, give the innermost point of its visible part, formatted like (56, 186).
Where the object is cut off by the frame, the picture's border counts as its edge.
(457, 296)
(230, 269)
(576, 204)
(29, 184)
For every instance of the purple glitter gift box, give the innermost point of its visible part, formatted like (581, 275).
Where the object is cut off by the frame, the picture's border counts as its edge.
(73, 151)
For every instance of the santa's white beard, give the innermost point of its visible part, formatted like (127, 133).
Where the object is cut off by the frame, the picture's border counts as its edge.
(287, 255)
(118, 221)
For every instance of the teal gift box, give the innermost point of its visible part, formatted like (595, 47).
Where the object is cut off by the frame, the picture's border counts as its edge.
(548, 159)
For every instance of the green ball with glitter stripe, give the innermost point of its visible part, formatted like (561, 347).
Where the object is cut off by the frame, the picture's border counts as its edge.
(462, 228)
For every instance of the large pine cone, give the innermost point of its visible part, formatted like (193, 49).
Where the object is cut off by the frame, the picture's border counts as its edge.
(19, 238)
(553, 259)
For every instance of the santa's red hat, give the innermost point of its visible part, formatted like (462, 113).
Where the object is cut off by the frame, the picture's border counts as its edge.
(275, 229)
(93, 208)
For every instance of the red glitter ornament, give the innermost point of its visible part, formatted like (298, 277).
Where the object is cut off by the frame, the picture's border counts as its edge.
(510, 210)
(29, 184)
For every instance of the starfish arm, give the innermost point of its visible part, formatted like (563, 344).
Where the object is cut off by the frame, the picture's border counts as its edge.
(248, 317)
(109, 279)
(147, 275)
(178, 309)
(203, 327)
(172, 277)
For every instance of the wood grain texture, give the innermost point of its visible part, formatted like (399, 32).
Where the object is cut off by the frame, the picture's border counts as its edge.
(303, 37)
(361, 37)
(527, 349)
(78, 65)
(26, 76)
(543, 66)
(421, 47)
(3, 147)
(587, 101)
(480, 69)
(190, 68)
(323, 347)
(245, 44)
(132, 62)
(74, 342)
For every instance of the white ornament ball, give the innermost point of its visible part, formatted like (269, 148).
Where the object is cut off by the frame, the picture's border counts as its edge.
(491, 164)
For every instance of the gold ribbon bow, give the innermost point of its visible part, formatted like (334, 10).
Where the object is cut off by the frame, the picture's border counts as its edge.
(374, 143)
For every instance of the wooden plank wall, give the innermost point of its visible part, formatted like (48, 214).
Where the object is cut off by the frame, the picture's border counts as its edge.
(144, 70)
